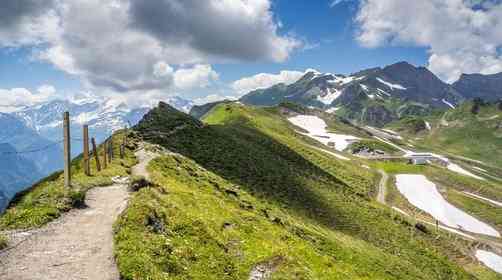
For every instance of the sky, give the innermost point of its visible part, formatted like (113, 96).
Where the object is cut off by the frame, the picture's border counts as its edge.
(140, 52)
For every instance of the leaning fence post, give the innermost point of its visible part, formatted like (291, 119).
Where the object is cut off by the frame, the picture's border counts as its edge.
(96, 156)
(67, 149)
(87, 169)
(105, 159)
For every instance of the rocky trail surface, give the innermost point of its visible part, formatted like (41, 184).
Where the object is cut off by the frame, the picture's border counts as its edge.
(79, 245)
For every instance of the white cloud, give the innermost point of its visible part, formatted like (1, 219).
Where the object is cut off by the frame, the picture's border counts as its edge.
(462, 36)
(200, 76)
(162, 69)
(133, 46)
(13, 99)
(335, 3)
(265, 80)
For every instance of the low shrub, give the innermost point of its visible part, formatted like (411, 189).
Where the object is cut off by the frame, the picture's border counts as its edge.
(138, 182)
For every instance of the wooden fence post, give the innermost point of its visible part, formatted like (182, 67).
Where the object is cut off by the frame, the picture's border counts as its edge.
(96, 156)
(105, 151)
(67, 149)
(87, 167)
(121, 151)
(110, 149)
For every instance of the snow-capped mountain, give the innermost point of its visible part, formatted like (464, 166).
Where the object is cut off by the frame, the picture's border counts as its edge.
(102, 115)
(36, 133)
(375, 96)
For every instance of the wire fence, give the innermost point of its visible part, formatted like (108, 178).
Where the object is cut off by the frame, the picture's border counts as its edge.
(41, 149)
(35, 150)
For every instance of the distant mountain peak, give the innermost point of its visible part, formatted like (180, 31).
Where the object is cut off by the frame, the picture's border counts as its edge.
(386, 93)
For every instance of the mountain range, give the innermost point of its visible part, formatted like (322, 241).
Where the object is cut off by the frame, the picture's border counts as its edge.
(379, 96)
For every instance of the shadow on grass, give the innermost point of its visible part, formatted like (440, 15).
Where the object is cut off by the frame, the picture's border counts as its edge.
(262, 165)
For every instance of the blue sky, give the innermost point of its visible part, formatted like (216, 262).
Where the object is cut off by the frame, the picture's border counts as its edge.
(146, 51)
(332, 30)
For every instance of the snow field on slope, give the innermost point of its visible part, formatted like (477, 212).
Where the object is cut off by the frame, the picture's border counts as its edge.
(490, 259)
(316, 128)
(423, 194)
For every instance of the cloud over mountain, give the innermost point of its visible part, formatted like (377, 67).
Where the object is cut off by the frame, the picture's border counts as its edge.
(265, 80)
(462, 36)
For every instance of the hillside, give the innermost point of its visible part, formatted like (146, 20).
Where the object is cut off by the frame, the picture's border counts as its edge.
(198, 111)
(243, 193)
(459, 131)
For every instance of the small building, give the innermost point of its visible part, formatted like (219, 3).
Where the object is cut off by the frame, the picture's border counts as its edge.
(419, 161)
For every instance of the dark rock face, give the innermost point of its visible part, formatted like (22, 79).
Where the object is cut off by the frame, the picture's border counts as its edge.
(421, 85)
(378, 116)
(487, 87)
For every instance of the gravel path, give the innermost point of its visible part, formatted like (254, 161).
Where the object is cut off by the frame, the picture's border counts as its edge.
(79, 245)
(382, 187)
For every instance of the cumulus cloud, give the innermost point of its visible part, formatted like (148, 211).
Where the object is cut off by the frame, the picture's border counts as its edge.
(27, 22)
(235, 29)
(13, 99)
(200, 76)
(265, 80)
(139, 47)
(463, 36)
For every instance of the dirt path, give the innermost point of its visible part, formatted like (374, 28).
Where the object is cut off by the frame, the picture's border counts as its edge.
(382, 187)
(144, 157)
(79, 245)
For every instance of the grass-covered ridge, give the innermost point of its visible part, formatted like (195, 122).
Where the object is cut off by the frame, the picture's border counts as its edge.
(48, 199)
(246, 189)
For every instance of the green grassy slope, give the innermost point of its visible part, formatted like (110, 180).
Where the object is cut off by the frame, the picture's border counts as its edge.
(460, 132)
(246, 190)
(48, 199)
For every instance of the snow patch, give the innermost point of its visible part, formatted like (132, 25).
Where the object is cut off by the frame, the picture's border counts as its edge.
(364, 87)
(490, 259)
(384, 92)
(391, 85)
(428, 125)
(457, 168)
(448, 103)
(316, 128)
(332, 110)
(423, 194)
(330, 96)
